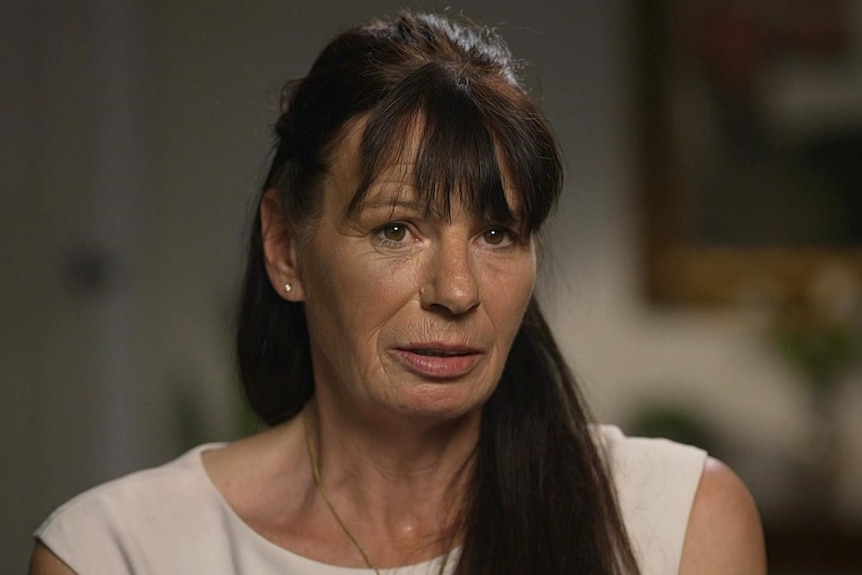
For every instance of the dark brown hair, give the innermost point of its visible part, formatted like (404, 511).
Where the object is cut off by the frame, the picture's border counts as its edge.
(541, 500)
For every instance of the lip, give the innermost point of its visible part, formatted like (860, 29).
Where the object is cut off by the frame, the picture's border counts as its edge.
(438, 366)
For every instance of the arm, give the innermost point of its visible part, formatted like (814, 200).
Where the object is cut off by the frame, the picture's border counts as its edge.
(44, 562)
(724, 535)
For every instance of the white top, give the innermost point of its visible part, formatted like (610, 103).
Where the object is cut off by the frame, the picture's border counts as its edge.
(172, 519)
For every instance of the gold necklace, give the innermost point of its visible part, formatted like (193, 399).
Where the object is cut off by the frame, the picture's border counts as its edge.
(318, 483)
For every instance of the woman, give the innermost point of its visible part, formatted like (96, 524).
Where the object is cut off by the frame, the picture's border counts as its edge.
(419, 411)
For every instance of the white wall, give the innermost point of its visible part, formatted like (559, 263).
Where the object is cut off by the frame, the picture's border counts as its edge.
(138, 132)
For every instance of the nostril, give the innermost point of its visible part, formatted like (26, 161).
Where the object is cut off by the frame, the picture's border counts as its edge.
(449, 310)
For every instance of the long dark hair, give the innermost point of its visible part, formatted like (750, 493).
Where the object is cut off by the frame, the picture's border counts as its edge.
(540, 500)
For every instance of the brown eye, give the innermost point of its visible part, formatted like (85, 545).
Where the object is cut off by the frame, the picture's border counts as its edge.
(495, 236)
(394, 232)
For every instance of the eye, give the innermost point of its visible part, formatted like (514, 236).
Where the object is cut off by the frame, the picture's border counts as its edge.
(394, 232)
(394, 235)
(497, 236)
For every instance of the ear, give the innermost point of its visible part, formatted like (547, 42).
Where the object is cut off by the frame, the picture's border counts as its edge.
(279, 248)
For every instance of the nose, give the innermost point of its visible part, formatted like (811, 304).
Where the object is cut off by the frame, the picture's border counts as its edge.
(451, 285)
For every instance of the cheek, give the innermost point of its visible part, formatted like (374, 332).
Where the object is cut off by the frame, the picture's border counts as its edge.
(386, 284)
(509, 295)
(366, 290)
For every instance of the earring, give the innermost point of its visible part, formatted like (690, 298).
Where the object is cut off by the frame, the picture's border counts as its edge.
(288, 287)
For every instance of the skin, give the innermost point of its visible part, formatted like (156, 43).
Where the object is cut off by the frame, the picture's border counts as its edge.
(393, 439)
(394, 278)
(724, 535)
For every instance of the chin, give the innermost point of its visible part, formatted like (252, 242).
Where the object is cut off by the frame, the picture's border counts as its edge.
(442, 402)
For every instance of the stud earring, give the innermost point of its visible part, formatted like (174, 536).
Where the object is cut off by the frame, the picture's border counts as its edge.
(288, 287)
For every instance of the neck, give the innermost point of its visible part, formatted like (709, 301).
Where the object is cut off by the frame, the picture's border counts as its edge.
(399, 486)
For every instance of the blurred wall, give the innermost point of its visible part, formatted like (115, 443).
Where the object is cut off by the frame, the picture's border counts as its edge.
(134, 135)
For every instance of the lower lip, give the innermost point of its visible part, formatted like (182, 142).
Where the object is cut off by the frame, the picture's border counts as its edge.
(437, 366)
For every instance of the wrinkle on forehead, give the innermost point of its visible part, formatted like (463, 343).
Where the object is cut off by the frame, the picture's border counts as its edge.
(408, 166)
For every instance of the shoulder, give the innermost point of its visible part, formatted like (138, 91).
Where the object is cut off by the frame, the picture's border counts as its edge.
(683, 510)
(724, 533)
(639, 455)
(45, 562)
(166, 485)
(96, 531)
(655, 479)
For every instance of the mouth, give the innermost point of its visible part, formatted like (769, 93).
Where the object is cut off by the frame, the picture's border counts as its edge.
(432, 352)
(438, 361)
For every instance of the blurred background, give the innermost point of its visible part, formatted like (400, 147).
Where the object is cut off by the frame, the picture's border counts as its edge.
(702, 273)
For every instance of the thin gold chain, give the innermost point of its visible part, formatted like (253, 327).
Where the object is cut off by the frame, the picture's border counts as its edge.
(315, 469)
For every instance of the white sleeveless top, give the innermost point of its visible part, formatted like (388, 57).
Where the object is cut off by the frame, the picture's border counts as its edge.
(172, 519)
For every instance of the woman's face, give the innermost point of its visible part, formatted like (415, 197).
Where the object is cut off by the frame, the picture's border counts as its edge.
(408, 311)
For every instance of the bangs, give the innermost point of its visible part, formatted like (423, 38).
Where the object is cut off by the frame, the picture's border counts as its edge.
(461, 138)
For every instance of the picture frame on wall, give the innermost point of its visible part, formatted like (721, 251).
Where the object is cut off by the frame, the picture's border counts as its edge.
(750, 124)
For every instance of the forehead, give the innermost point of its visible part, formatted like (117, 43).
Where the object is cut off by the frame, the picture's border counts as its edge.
(407, 165)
